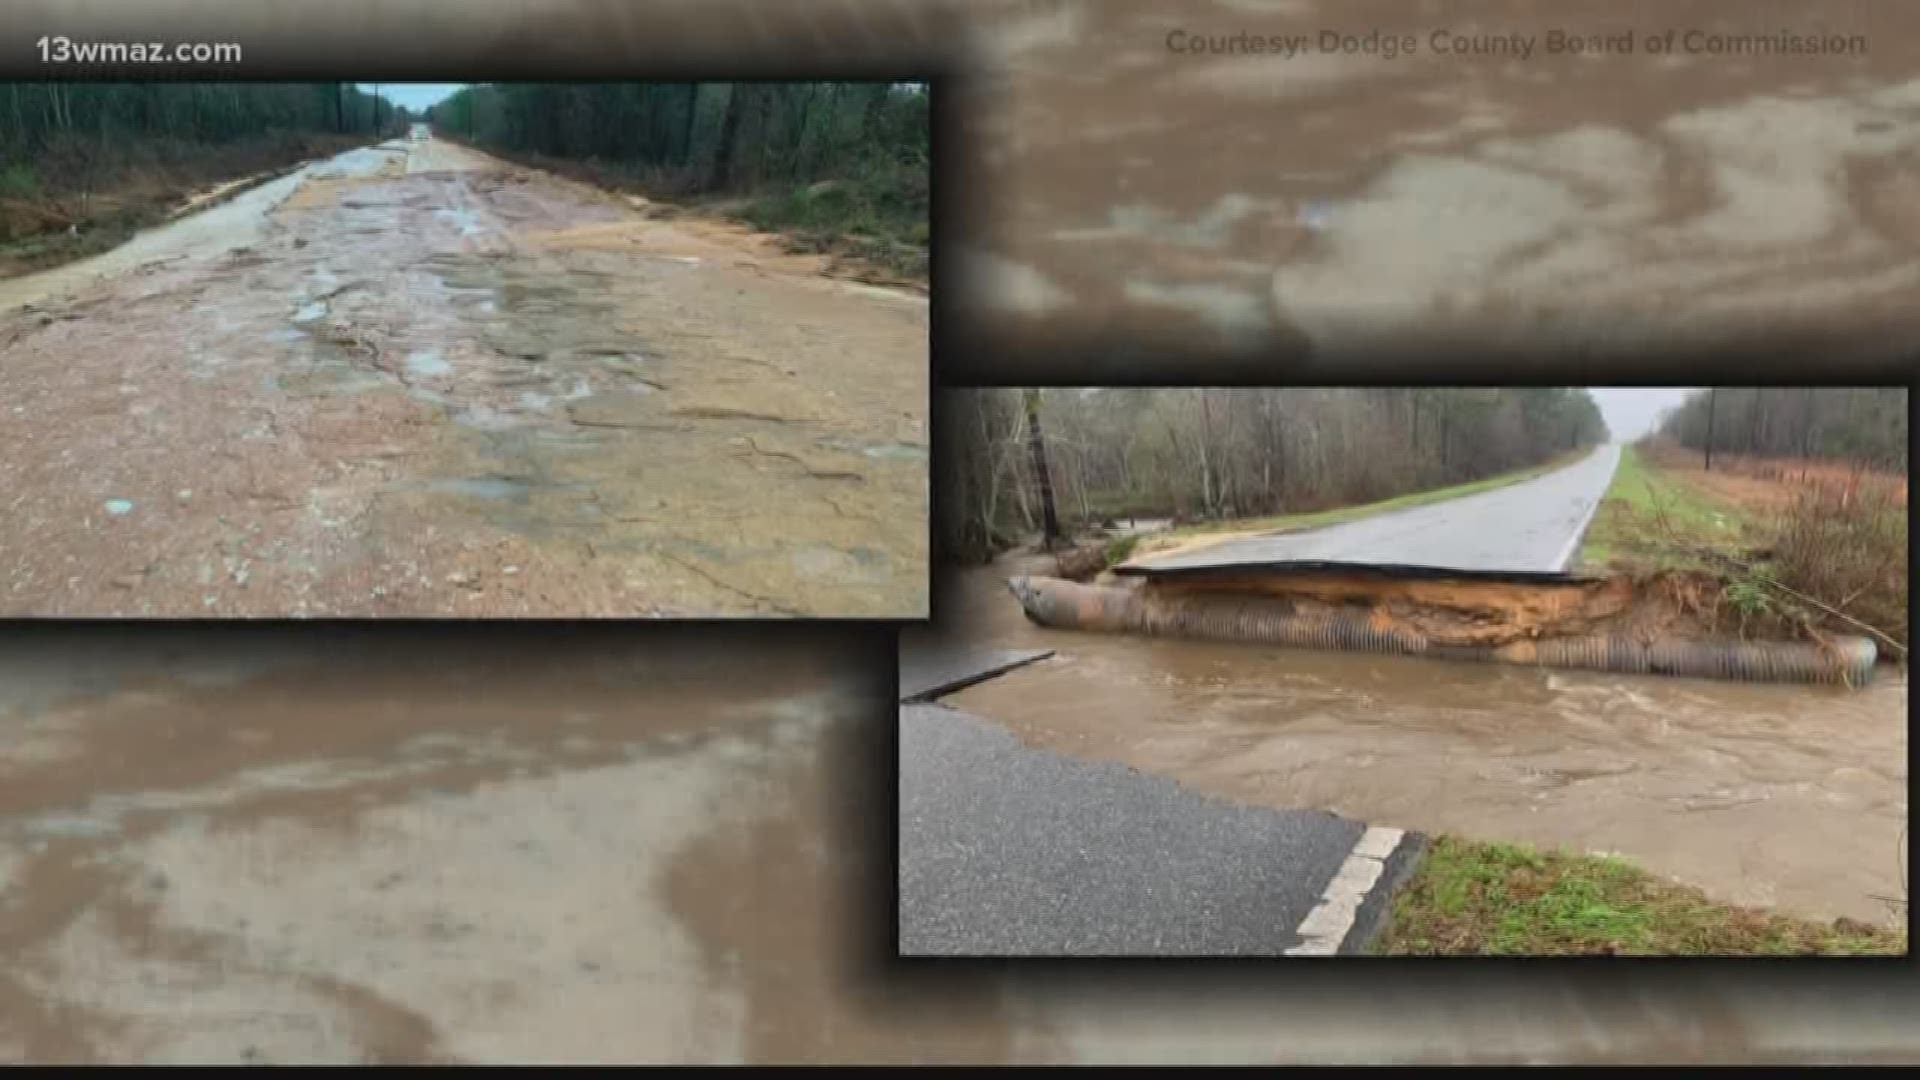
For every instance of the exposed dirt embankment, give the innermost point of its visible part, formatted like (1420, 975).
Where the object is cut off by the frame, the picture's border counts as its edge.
(1464, 611)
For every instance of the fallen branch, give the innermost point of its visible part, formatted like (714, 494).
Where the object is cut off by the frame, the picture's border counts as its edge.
(1748, 568)
(1835, 612)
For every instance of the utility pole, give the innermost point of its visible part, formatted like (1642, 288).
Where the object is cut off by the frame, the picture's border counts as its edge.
(1049, 519)
(1710, 393)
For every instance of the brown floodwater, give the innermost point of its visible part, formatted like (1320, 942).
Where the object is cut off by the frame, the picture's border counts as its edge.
(224, 846)
(1146, 187)
(1787, 796)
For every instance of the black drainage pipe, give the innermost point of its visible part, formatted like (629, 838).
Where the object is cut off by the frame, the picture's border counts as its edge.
(1068, 605)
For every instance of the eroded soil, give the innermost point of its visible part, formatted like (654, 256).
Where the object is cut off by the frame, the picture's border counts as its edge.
(415, 380)
(1454, 611)
(1788, 796)
(1346, 204)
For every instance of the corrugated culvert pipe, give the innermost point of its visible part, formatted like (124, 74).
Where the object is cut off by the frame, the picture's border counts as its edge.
(1068, 605)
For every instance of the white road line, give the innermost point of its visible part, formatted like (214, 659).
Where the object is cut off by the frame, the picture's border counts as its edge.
(1580, 533)
(1326, 926)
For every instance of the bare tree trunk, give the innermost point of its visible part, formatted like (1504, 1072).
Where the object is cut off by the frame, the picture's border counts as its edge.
(1207, 501)
(1712, 394)
(1037, 446)
(729, 130)
(693, 117)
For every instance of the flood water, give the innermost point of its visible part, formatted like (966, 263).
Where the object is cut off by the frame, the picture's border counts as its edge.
(236, 845)
(1787, 796)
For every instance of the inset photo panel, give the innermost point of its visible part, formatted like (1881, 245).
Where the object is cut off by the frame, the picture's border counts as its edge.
(1434, 671)
(1377, 190)
(483, 350)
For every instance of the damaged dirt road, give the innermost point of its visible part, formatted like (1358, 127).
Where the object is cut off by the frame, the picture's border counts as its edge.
(416, 380)
(1150, 185)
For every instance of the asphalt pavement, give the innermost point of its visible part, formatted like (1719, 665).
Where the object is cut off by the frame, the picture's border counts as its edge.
(1006, 850)
(1532, 527)
(932, 667)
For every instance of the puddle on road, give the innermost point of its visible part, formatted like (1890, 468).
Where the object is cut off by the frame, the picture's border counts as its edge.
(860, 565)
(879, 451)
(1761, 794)
(485, 488)
(427, 362)
(327, 377)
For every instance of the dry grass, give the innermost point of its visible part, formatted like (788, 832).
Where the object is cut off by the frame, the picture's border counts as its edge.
(1848, 551)
(1796, 553)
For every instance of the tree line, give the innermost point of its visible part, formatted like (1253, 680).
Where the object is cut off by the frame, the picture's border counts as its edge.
(1867, 426)
(717, 136)
(81, 155)
(38, 115)
(1194, 454)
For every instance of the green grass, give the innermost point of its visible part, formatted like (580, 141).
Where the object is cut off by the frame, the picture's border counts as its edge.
(880, 216)
(18, 181)
(1318, 518)
(1650, 520)
(1483, 899)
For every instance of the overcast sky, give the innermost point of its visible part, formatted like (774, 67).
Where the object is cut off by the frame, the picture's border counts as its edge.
(1631, 412)
(414, 97)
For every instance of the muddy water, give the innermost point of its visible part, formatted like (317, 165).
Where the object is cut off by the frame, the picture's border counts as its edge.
(227, 849)
(1356, 198)
(1787, 796)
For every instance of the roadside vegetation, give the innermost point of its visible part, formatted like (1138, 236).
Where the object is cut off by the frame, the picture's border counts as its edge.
(1800, 523)
(1650, 520)
(85, 165)
(1487, 899)
(840, 168)
(1234, 459)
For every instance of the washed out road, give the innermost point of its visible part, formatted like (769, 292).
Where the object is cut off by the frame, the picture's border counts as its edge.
(415, 379)
(1006, 849)
(1532, 527)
